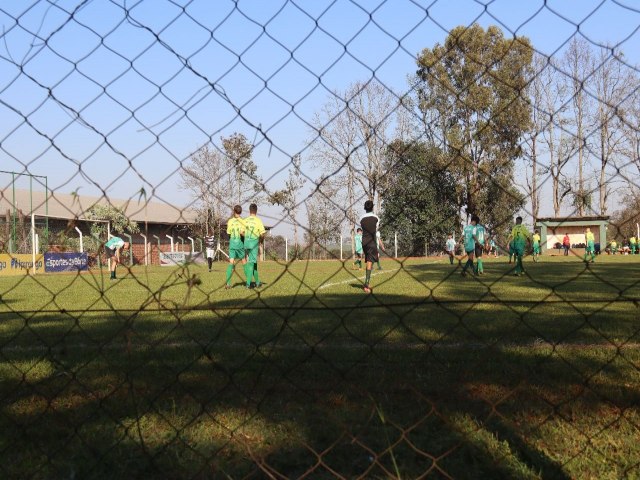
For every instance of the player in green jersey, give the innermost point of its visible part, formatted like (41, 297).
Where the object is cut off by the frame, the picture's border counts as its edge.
(235, 229)
(481, 244)
(450, 248)
(633, 245)
(520, 236)
(357, 265)
(468, 240)
(254, 233)
(590, 245)
(536, 245)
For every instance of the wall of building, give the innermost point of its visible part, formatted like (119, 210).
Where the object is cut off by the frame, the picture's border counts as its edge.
(576, 234)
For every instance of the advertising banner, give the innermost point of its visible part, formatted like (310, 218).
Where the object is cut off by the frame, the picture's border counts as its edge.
(65, 262)
(171, 259)
(20, 264)
(168, 259)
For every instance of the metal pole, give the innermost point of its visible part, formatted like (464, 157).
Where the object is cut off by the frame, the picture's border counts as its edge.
(46, 204)
(81, 242)
(170, 238)
(193, 248)
(182, 241)
(341, 247)
(286, 249)
(146, 249)
(395, 244)
(13, 223)
(33, 241)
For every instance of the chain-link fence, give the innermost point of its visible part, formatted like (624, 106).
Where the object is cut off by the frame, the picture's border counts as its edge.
(486, 153)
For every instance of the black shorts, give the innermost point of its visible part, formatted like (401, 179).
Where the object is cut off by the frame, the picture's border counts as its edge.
(479, 250)
(111, 252)
(370, 252)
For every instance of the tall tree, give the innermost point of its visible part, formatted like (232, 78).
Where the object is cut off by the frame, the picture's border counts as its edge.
(247, 182)
(578, 63)
(287, 197)
(210, 177)
(558, 143)
(613, 84)
(353, 130)
(473, 86)
(419, 203)
(533, 138)
(325, 217)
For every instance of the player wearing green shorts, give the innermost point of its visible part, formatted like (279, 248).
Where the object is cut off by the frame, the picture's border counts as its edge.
(254, 232)
(536, 245)
(481, 244)
(520, 236)
(358, 248)
(512, 251)
(235, 229)
(633, 245)
(614, 247)
(468, 240)
(590, 243)
(450, 248)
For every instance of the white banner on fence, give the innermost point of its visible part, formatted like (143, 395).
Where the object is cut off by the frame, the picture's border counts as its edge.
(171, 259)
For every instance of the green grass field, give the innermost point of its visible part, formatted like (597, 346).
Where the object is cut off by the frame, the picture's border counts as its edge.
(164, 374)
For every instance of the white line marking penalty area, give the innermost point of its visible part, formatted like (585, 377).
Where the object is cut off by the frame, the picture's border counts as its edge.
(353, 279)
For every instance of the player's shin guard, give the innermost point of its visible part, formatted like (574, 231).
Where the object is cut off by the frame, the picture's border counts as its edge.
(480, 266)
(256, 278)
(229, 273)
(210, 262)
(367, 278)
(248, 272)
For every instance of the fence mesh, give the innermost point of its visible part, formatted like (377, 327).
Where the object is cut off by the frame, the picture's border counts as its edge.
(151, 120)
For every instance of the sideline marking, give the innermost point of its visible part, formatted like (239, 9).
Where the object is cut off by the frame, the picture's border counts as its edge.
(333, 284)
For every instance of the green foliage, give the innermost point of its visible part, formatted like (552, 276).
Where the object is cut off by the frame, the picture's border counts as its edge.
(120, 223)
(472, 87)
(420, 202)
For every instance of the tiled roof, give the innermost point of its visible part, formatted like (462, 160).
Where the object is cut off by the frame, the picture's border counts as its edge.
(68, 206)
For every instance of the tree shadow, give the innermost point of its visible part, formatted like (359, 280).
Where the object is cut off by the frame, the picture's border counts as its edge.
(453, 383)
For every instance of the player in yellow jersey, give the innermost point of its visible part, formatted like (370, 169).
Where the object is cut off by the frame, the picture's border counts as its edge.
(633, 245)
(235, 229)
(520, 236)
(254, 232)
(590, 245)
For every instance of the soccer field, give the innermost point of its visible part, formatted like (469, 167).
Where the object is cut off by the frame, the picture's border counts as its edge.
(165, 374)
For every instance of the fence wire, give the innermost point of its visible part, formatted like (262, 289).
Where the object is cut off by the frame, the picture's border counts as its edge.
(151, 120)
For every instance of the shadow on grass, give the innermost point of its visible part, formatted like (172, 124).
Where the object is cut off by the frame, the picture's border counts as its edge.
(369, 386)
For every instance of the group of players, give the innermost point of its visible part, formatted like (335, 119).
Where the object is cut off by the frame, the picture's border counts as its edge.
(475, 241)
(245, 236)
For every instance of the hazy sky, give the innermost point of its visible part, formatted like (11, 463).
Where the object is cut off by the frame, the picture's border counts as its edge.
(114, 95)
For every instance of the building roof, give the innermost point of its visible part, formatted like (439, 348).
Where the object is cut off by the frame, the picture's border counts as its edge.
(574, 220)
(69, 206)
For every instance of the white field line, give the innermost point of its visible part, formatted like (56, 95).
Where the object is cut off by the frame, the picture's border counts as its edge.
(353, 279)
